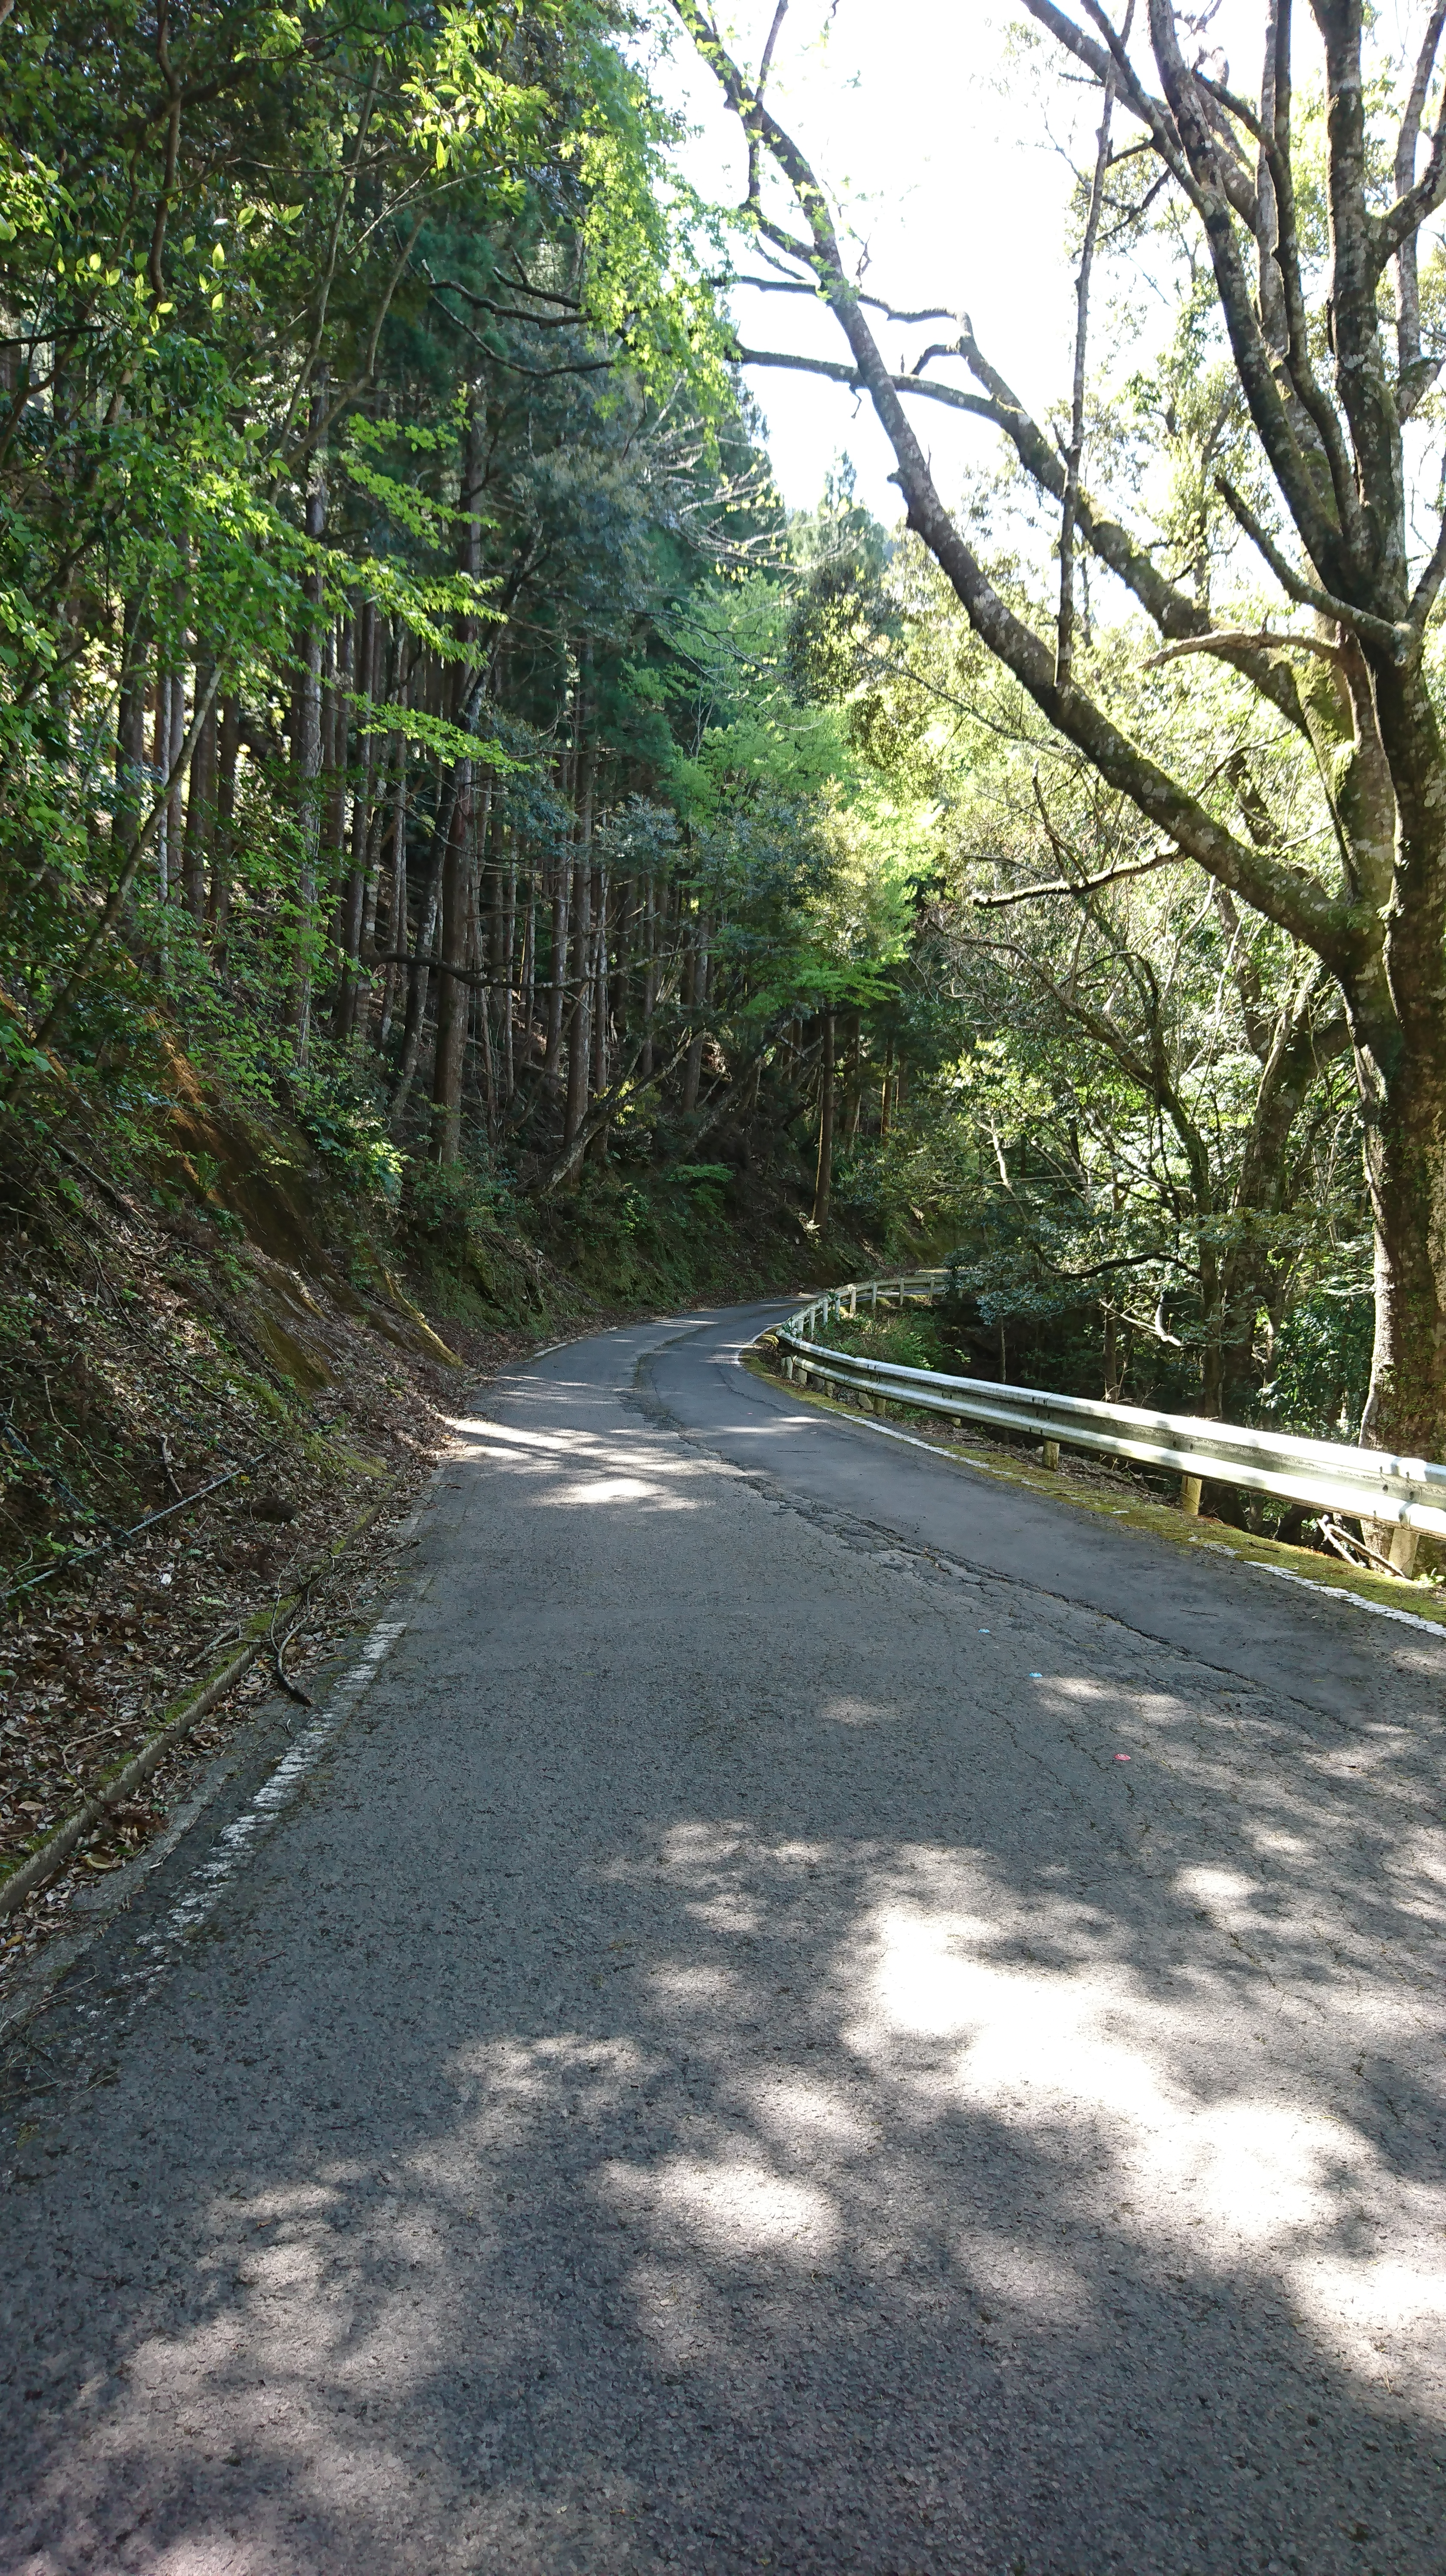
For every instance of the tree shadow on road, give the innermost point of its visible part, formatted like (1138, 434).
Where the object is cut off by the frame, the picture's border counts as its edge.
(941, 2200)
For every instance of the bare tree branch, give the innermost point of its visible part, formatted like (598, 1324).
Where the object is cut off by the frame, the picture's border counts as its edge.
(810, 287)
(1153, 114)
(1408, 289)
(1228, 641)
(1074, 453)
(1424, 596)
(1402, 221)
(1081, 885)
(1288, 894)
(838, 374)
(1395, 640)
(764, 68)
(1172, 610)
(1283, 255)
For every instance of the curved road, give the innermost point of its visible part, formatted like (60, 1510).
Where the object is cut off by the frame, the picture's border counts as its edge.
(798, 2008)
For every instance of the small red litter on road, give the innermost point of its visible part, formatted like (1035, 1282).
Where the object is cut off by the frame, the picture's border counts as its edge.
(1122, 1757)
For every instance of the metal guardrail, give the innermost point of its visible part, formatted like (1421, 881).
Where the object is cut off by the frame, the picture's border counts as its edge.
(1370, 1484)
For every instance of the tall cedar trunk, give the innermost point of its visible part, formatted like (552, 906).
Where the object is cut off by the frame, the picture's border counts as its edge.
(616, 985)
(480, 1020)
(392, 820)
(650, 977)
(529, 969)
(492, 905)
(598, 1149)
(454, 785)
(160, 764)
(695, 993)
(466, 850)
(160, 753)
(856, 1075)
(223, 841)
(372, 868)
(306, 755)
(579, 1027)
(418, 968)
(390, 685)
(130, 739)
(823, 1182)
(561, 883)
(201, 803)
(600, 981)
(748, 1111)
(175, 743)
(509, 975)
(454, 997)
(557, 988)
(579, 1033)
(336, 676)
(397, 925)
(352, 909)
(454, 796)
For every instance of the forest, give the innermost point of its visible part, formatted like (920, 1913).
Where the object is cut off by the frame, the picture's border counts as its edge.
(446, 793)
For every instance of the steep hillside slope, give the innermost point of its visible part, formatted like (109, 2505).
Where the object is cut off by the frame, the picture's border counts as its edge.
(229, 1359)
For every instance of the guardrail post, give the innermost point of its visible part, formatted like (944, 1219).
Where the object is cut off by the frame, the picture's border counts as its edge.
(1051, 1454)
(1394, 1540)
(1190, 1490)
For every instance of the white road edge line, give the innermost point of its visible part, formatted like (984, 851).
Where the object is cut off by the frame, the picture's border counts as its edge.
(233, 1847)
(1331, 1591)
(1337, 1592)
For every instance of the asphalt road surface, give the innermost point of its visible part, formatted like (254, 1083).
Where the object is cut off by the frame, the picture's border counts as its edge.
(798, 2008)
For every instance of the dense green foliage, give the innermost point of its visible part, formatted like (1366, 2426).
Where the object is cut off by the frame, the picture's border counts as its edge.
(396, 716)
(1239, 471)
(1135, 1094)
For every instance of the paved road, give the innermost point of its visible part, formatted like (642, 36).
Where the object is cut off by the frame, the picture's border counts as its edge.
(709, 2056)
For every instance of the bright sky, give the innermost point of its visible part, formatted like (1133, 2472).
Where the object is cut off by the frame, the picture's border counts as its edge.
(958, 203)
(923, 119)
